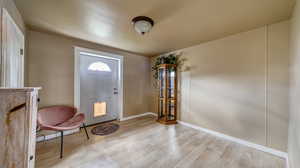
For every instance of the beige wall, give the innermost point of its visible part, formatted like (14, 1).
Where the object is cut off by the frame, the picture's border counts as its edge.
(294, 124)
(239, 85)
(278, 85)
(51, 65)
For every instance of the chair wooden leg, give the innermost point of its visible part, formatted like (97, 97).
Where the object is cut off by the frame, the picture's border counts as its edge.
(87, 135)
(61, 143)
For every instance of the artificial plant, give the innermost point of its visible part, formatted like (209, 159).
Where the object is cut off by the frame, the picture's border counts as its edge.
(172, 58)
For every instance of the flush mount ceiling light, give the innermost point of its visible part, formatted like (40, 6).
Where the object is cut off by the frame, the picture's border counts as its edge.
(142, 24)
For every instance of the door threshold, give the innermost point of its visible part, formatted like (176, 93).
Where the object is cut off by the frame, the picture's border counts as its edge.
(102, 122)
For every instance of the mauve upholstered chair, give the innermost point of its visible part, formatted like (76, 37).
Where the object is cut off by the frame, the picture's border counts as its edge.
(60, 118)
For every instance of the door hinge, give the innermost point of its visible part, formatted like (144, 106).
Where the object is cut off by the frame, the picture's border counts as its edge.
(21, 51)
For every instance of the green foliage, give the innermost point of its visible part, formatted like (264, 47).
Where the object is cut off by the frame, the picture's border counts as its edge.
(172, 58)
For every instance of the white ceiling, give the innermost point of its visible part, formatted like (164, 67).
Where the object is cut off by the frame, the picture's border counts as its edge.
(178, 23)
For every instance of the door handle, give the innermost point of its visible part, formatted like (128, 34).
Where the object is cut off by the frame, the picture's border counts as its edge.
(116, 91)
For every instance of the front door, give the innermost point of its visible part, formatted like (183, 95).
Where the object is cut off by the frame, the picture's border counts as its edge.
(99, 83)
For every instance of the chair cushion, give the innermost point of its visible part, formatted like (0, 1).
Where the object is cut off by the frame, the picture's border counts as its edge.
(72, 123)
(55, 115)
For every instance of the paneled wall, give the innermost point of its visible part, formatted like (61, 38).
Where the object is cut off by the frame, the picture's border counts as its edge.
(238, 85)
(294, 124)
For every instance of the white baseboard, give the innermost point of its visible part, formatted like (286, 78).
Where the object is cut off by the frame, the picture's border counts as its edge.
(287, 162)
(137, 116)
(55, 135)
(239, 141)
(151, 113)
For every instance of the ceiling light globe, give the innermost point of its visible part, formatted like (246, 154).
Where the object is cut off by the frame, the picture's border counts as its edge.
(142, 24)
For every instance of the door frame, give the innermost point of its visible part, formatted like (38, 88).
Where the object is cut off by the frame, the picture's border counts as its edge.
(95, 53)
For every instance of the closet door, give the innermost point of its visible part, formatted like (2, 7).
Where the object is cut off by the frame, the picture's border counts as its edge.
(12, 59)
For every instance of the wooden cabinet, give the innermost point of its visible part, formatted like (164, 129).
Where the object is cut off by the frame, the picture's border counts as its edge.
(167, 105)
(18, 112)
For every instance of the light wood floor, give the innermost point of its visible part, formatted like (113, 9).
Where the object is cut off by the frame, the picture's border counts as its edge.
(143, 143)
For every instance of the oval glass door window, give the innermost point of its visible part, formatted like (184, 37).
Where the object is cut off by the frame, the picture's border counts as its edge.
(99, 66)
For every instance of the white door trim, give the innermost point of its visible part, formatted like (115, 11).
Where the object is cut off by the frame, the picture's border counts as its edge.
(101, 54)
